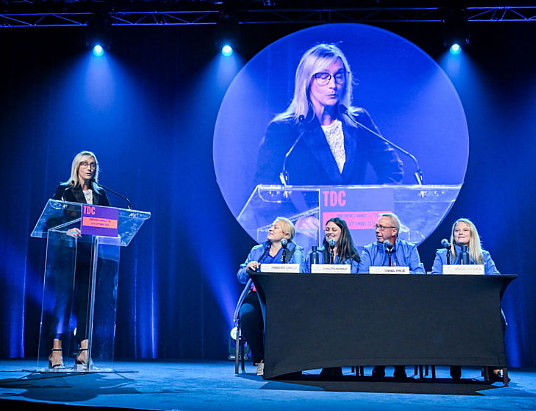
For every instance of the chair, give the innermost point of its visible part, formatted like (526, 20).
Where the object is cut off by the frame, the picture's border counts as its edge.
(240, 351)
(487, 373)
(423, 370)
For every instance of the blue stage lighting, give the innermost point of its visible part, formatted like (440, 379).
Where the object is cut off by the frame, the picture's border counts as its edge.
(227, 50)
(98, 50)
(455, 49)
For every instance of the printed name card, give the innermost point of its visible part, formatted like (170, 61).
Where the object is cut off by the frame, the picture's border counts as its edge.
(101, 221)
(330, 268)
(389, 270)
(469, 269)
(280, 268)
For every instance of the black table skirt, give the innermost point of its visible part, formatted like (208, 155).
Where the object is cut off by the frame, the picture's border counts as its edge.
(330, 320)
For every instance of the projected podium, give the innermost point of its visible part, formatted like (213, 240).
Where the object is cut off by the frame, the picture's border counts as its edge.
(80, 285)
(420, 208)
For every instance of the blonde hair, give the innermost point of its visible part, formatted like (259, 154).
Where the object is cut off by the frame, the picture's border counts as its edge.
(79, 158)
(475, 246)
(286, 226)
(315, 60)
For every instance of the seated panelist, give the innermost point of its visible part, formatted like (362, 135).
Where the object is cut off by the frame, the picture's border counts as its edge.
(464, 237)
(465, 248)
(338, 246)
(389, 250)
(277, 249)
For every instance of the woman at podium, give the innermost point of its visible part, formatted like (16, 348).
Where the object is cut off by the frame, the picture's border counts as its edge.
(321, 139)
(82, 187)
(277, 249)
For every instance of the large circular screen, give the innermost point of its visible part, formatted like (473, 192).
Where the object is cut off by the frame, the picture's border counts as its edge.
(341, 120)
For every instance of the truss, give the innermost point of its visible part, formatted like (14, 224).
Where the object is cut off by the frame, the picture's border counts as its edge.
(52, 13)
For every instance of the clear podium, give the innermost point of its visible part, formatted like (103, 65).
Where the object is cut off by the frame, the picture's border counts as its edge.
(80, 285)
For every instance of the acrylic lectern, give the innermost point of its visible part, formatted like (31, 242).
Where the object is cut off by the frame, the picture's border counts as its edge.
(80, 282)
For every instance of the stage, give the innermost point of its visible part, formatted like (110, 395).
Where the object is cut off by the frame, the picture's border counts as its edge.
(212, 385)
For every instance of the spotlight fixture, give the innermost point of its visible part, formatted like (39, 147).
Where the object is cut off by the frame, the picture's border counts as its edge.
(455, 49)
(226, 34)
(227, 50)
(98, 50)
(455, 29)
(99, 32)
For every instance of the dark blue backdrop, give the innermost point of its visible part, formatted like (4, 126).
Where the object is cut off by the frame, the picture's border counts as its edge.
(148, 110)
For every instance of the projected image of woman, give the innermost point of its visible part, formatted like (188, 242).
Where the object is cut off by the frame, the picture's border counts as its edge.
(82, 187)
(319, 140)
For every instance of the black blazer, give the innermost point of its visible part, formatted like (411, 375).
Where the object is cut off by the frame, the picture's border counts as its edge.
(66, 192)
(311, 162)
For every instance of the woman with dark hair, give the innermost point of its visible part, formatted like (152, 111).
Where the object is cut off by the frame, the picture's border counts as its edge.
(82, 187)
(338, 246)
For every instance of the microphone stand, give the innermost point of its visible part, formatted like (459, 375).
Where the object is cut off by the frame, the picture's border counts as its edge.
(464, 255)
(389, 255)
(129, 206)
(389, 250)
(331, 254)
(418, 174)
(283, 175)
(284, 245)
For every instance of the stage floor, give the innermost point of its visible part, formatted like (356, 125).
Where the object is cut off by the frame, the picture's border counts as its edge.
(212, 385)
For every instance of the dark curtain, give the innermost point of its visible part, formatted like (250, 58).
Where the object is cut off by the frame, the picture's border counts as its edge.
(151, 125)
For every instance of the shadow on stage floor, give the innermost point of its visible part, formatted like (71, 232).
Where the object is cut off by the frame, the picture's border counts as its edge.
(212, 385)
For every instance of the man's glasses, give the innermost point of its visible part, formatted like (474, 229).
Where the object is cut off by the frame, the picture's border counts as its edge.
(323, 79)
(382, 227)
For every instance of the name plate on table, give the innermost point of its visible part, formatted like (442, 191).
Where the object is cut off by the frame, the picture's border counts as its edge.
(331, 268)
(388, 270)
(469, 269)
(280, 268)
(101, 221)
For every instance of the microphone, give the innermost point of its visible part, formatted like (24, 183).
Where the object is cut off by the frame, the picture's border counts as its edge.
(332, 243)
(418, 174)
(283, 175)
(284, 243)
(445, 243)
(464, 255)
(129, 206)
(389, 248)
